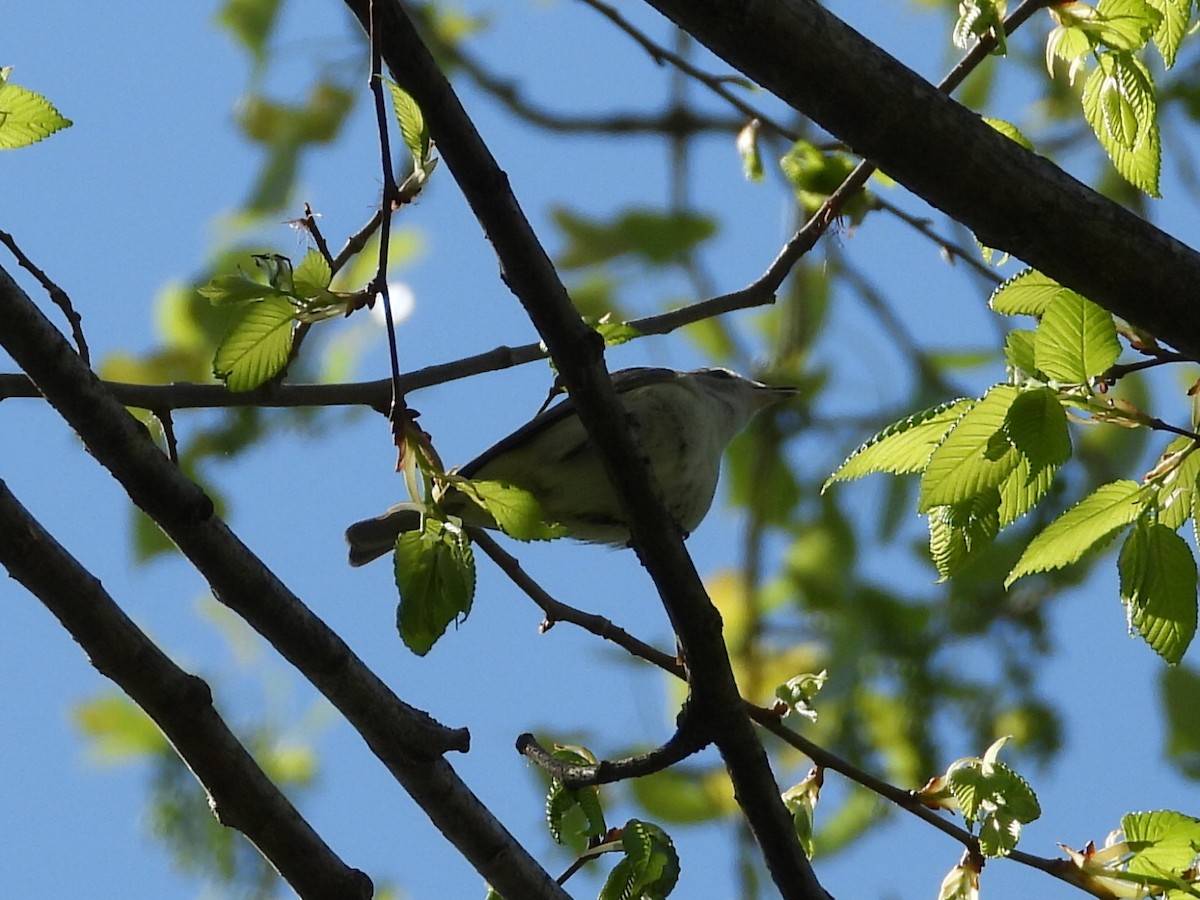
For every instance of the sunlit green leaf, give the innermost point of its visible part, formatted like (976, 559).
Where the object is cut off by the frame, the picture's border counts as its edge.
(1027, 293)
(958, 532)
(257, 346)
(1176, 15)
(971, 460)
(655, 238)
(1163, 841)
(1076, 340)
(650, 867)
(25, 117)
(1081, 528)
(515, 510)
(119, 730)
(904, 446)
(413, 129)
(435, 574)
(1119, 104)
(1158, 587)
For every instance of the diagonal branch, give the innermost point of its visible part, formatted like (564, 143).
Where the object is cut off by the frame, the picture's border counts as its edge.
(1014, 200)
(578, 353)
(408, 741)
(242, 796)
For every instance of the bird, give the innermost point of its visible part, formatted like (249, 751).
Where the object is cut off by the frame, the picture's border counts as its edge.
(683, 421)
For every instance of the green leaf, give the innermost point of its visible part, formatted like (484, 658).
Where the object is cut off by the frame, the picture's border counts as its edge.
(561, 800)
(1176, 14)
(1036, 425)
(25, 117)
(650, 867)
(801, 801)
(1126, 24)
(515, 509)
(974, 457)
(1027, 293)
(650, 237)
(1081, 528)
(257, 345)
(1162, 841)
(815, 174)
(225, 290)
(413, 129)
(1019, 352)
(435, 574)
(312, 276)
(903, 447)
(995, 796)
(1158, 587)
(1076, 340)
(251, 22)
(1177, 485)
(1119, 104)
(1023, 489)
(977, 18)
(958, 532)
(1009, 130)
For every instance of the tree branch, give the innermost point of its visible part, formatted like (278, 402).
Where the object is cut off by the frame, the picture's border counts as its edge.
(578, 353)
(242, 796)
(408, 741)
(1014, 200)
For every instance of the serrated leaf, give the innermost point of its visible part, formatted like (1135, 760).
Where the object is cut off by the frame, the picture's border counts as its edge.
(435, 575)
(1022, 490)
(1019, 352)
(257, 345)
(25, 117)
(1036, 425)
(1177, 486)
(1158, 587)
(1076, 340)
(970, 460)
(515, 509)
(561, 800)
(958, 532)
(312, 276)
(1027, 293)
(1118, 98)
(650, 867)
(995, 796)
(1176, 14)
(1162, 841)
(1126, 24)
(1081, 528)
(413, 129)
(903, 447)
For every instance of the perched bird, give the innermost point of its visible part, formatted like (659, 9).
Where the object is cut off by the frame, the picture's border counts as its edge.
(682, 421)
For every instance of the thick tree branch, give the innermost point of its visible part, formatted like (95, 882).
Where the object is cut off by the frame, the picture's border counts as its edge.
(578, 353)
(243, 797)
(408, 741)
(1014, 200)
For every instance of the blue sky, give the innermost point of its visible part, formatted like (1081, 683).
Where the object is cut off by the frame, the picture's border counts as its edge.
(133, 198)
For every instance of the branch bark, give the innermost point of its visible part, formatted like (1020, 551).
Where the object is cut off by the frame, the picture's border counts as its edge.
(1014, 200)
(408, 741)
(578, 353)
(242, 795)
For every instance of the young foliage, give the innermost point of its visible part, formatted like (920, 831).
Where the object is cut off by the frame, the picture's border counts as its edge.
(1083, 527)
(258, 343)
(993, 796)
(561, 800)
(801, 801)
(903, 447)
(649, 868)
(1075, 341)
(1158, 588)
(747, 148)
(977, 18)
(1153, 854)
(25, 117)
(435, 575)
(974, 456)
(515, 510)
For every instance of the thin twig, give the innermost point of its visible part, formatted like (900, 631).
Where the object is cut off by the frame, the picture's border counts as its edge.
(57, 295)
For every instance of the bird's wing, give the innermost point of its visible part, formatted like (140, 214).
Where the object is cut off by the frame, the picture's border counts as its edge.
(624, 380)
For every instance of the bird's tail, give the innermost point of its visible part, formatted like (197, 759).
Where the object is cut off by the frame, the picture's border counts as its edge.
(372, 538)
